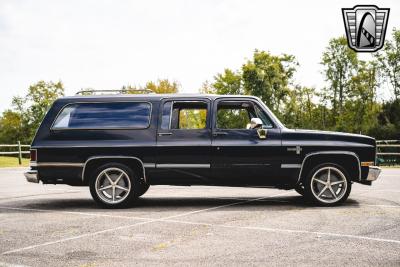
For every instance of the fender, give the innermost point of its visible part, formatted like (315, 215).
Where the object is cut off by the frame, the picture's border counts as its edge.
(114, 157)
(330, 153)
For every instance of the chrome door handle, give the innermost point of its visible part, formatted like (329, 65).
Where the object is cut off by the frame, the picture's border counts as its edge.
(163, 134)
(220, 133)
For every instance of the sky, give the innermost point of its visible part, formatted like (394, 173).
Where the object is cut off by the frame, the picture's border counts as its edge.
(108, 44)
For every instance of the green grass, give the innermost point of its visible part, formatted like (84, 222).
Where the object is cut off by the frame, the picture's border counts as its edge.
(12, 162)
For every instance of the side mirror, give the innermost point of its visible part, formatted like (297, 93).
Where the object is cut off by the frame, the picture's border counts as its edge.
(255, 123)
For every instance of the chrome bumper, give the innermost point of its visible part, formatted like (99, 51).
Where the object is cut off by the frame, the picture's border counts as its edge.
(32, 176)
(373, 173)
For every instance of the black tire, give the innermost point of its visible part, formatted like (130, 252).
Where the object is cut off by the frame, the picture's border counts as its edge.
(329, 194)
(143, 189)
(114, 197)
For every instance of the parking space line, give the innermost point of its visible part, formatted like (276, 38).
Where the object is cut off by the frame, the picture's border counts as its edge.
(291, 231)
(76, 213)
(378, 190)
(41, 194)
(135, 224)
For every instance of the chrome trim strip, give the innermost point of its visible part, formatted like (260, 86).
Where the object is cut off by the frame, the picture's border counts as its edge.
(149, 165)
(331, 152)
(290, 166)
(114, 157)
(199, 166)
(56, 164)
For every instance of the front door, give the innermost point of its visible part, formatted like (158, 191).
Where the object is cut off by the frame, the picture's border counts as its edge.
(240, 156)
(183, 141)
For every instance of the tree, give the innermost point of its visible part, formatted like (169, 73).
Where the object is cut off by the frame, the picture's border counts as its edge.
(361, 108)
(21, 122)
(228, 83)
(207, 88)
(11, 129)
(389, 62)
(163, 86)
(268, 77)
(339, 65)
(300, 109)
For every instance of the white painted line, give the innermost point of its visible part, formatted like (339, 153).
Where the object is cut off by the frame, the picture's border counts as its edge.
(378, 190)
(76, 213)
(34, 195)
(133, 225)
(377, 205)
(290, 231)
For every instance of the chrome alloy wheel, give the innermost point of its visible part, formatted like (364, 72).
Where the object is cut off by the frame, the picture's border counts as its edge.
(328, 184)
(113, 185)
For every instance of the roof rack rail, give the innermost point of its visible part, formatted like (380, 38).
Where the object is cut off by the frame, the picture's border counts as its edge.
(119, 91)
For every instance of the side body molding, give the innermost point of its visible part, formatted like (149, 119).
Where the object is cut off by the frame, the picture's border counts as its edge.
(113, 157)
(331, 153)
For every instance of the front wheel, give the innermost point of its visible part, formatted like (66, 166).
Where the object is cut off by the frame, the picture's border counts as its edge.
(327, 185)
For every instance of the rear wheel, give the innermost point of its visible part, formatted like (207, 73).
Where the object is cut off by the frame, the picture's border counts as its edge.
(327, 185)
(112, 185)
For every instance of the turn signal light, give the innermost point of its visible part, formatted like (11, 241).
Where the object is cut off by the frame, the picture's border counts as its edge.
(367, 163)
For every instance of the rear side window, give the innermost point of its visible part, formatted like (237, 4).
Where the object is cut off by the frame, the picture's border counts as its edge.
(104, 115)
(184, 115)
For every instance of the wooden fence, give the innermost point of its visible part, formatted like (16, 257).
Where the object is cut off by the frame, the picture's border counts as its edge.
(388, 152)
(19, 152)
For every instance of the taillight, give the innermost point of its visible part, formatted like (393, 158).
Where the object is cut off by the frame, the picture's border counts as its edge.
(33, 154)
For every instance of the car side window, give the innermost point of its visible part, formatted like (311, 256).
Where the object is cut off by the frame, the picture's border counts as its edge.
(238, 114)
(184, 115)
(113, 115)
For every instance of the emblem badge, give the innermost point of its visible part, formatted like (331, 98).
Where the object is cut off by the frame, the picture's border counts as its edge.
(365, 27)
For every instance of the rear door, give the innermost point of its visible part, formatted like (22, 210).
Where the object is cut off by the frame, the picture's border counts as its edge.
(184, 141)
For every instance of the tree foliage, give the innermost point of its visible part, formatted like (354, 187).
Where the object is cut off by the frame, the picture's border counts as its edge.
(20, 122)
(389, 62)
(161, 86)
(348, 102)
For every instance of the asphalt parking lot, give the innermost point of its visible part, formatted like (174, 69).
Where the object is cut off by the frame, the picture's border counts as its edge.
(61, 226)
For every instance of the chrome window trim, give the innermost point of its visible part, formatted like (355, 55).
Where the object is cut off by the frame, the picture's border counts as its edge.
(102, 128)
(173, 100)
(114, 157)
(253, 100)
(334, 153)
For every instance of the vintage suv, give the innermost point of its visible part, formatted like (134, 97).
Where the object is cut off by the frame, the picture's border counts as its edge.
(119, 145)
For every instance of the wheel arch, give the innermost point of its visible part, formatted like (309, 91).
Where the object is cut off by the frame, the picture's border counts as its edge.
(353, 167)
(95, 161)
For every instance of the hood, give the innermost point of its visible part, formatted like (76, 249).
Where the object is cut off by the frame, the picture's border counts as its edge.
(302, 134)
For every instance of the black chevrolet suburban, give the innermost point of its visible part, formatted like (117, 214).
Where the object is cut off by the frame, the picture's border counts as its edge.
(119, 145)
